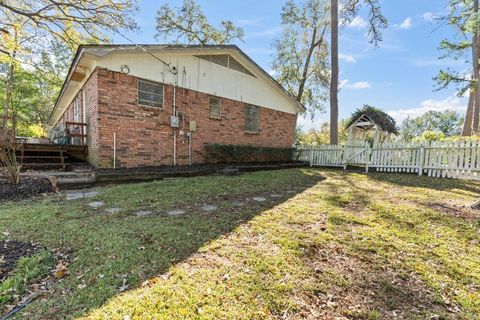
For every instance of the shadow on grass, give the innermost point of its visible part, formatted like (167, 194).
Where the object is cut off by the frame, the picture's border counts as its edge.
(413, 180)
(363, 285)
(112, 253)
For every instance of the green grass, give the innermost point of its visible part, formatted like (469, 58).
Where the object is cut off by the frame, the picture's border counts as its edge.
(336, 245)
(27, 269)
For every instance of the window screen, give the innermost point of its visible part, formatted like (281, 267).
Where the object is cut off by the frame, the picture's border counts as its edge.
(215, 104)
(150, 94)
(251, 118)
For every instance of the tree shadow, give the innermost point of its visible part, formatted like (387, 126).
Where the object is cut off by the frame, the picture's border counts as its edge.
(440, 184)
(363, 285)
(117, 252)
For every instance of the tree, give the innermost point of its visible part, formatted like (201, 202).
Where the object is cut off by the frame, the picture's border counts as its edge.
(189, 25)
(377, 22)
(68, 21)
(28, 26)
(34, 87)
(448, 123)
(320, 136)
(301, 58)
(335, 73)
(463, 18)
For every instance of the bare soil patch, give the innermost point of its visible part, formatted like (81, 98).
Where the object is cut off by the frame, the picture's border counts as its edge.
(463, 212)
(352, 287)
(28, 187)
(11, 252)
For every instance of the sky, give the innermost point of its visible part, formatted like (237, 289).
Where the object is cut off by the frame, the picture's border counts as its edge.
(396, 76)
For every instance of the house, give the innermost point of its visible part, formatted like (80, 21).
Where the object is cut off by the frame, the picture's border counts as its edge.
(155, 105)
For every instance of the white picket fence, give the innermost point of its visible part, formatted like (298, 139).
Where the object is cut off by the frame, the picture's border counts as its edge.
(451, 159)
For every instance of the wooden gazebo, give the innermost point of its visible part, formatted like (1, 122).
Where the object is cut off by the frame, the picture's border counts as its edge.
(369, 120)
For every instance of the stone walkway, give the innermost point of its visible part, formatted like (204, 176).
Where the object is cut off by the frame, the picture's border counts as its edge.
(79, 194)
(175, 212)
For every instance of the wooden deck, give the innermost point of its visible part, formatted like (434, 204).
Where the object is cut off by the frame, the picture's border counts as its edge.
(49, 155)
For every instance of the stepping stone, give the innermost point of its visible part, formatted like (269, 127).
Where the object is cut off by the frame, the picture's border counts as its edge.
(176, 212)
(239, 204)
(275, 196)
(90, 194)
(143, 213)
(113, 210)
(74, 195)
(259, 199)
(209, 208)
(96, 204)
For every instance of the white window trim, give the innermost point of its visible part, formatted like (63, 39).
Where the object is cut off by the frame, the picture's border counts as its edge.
(219, 108)
(147, 106)
(258, 119)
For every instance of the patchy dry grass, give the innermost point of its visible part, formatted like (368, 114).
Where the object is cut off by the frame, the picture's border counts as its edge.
(333, 245)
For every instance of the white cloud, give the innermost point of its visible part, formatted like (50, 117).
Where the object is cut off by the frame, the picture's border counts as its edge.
(358, 23)
(430, 16)
(343, 83)
(359, 85)
(356, 85)
(347, 58)
(452, 103)
(406, 24)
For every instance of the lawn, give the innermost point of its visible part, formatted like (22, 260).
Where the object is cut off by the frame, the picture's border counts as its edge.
(323, 245)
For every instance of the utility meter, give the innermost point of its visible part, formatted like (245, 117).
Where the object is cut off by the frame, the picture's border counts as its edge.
(193, 126)
(174, 121)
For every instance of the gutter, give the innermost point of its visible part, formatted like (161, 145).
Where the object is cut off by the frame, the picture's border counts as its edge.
(76, 58)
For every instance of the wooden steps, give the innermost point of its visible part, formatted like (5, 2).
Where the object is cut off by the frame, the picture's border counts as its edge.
(42, 156)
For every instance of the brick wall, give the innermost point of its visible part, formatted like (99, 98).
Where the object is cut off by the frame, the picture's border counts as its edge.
(89, 91)
(144, 136)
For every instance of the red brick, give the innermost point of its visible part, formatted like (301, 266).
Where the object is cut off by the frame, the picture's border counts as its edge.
(144, 136)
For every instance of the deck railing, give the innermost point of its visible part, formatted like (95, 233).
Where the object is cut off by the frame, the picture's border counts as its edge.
(76, 133)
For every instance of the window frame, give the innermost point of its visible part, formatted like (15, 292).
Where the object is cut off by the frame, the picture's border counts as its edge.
(219, 107)
(151, 83)
(246, 118)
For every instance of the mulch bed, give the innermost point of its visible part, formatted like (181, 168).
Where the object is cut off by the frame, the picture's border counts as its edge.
(27, 188)
(171, 169)
(11, 252)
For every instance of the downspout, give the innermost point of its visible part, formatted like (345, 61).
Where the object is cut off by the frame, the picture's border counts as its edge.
(174, 114)
(114, 150)
(190, 148)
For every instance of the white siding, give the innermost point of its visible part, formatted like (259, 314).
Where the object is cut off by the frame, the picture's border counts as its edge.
(203, 76)
(193, 73)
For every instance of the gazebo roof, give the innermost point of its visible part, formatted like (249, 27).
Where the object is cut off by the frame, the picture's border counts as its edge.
(368, 117)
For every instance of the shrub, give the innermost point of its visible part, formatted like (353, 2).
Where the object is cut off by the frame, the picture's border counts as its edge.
(229, 153)
(430, 136)
(8, 157)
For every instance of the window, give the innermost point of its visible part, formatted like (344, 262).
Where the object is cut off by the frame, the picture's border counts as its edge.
(251, 119)
(215, 104)
(150, 94)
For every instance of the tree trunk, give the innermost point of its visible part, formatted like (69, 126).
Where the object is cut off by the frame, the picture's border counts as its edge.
(301, 88)
(313, 44)
(8, 93)
(476, 70)
(334, 76)
(467, 124)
